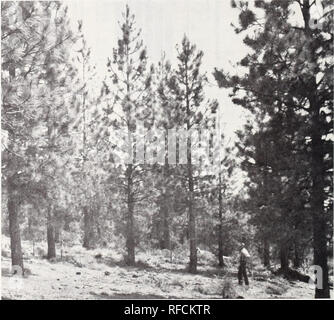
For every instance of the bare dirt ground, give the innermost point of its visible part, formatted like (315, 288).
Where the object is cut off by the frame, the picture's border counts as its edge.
(100, 274)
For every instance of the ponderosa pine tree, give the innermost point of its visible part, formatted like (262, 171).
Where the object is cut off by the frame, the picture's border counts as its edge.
(129, 98)
(187, 88)
(84, 102)
(216, 178)
(27, 62)
(57, 74)
(164, 122)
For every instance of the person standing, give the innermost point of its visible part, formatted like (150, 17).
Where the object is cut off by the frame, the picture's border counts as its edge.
(242, 271)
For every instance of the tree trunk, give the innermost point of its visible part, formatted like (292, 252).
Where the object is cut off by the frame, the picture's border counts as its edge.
(266, 253)
(14, 228)
(166, 233)
(320, 255)
(13, 211)
(284, 252)
(220, 225)
(88, 225)
(317, 202)
(57, 234)
(130, 239)
(191, 213)
(165, 243)
(50, 232)
(317, 165)
(164, 224)
(191, 216)
(297, 261)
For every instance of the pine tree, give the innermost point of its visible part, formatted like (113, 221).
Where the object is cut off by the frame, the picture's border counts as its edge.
(28, 45)
(129, 97)
(187, 88)
(57, 76)
(85, 107)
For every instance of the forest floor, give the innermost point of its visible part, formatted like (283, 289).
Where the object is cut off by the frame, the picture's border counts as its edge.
(101, 274)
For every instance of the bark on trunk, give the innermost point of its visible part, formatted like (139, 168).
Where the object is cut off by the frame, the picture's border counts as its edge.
(220, 225)
(57, 234)
(130, 239)
(164, 224)
(14, 228)
(13, 212)
(320, 254)
(165, 243)
(191, 216)
(50, 232)
(297, 261)
(284, 257)
(166, 233)
(317, 205)
(88, 225)
(266, 253)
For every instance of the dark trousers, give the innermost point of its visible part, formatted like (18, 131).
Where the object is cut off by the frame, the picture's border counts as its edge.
(242, 273)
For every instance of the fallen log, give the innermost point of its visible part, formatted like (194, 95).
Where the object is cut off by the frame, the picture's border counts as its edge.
(292, 274)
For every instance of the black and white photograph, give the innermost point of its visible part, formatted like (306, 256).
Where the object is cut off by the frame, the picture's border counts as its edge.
(167, 150)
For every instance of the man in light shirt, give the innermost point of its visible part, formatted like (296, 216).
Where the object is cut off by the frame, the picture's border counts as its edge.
(242, 272)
